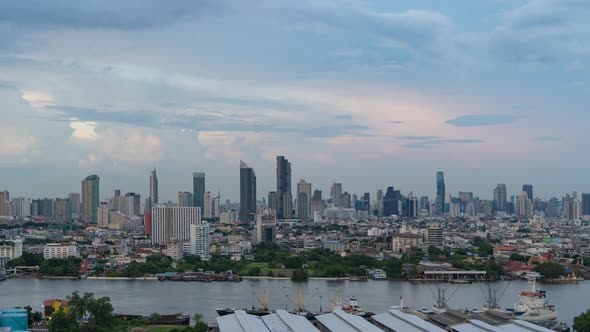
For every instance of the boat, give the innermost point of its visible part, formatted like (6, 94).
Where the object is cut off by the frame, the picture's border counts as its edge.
(532, 305)
(352, 308)
(261, 311)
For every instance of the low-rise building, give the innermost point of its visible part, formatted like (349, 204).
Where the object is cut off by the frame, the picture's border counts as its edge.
(60, 250)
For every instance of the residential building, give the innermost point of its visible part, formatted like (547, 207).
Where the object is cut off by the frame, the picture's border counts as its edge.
(266, 226)
(173, 223)
(11, 249)
(336, 194)
(272, 200)
(60, 250)
(303, 200)
(345, 201)
(525, 205)
(75, 202)
(90, 199)
(103, 215)
(379, 203)
(317, 203)
(21, 207)
(5, 206)
(404, 242)
(435, 236)
(500, 203)
(185, 199)
(586, 204)
(207, 203)
(528, 189)
(199, 240)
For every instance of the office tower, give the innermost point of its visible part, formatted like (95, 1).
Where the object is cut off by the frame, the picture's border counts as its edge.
(200, 240)
(528, 189)
(173, 223)
(379, 207)
(500, 198)
(75, 203)
(216, 207)
(207, 203)
(412, 208)
(336, 194)
(272, 200)
(303, 199)
(154, 188)
(525, 206)
(185, 199)
(345, 201)
(199, 189)
(247, 193)
(586, 204)
(90, 199)
(117, 192)
(486, 207)
(440, 193)
(284, 193)
(266, 226)
(133, 204)
(103, 215)
(21, 207)
(390, 204)
(5, 206)
(366, 202)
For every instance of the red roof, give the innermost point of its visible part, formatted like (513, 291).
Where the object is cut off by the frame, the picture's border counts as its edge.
(50, 302)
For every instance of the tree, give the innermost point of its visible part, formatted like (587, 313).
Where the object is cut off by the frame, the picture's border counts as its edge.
(582, 322)
(299, 275)
(59, 322)
(550, 270)
(200, 325)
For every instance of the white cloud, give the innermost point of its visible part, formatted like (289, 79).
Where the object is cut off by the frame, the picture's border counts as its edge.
(14, 144)
(37, 99)
(84, 130)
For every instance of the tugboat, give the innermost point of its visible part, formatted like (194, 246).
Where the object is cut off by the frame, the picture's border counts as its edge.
(532, 305)
(352, 308)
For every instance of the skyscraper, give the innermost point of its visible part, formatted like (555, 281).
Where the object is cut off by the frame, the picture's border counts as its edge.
(185, 199)
(199, 189)
(500, 198)
(586, 204)
(154, 187)
(303, 199)
(528, 189)
(272, 200)
(317, 203)
(525, 206)
(379, 207)
(336, 194)
(173, 223)
(247, 193)
(345, 200)
(440, 193)
(90, 199)
(207, 204)
(284, 193)
(390, 203)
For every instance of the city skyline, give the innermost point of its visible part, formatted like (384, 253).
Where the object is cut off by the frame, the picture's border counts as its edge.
(482, 91)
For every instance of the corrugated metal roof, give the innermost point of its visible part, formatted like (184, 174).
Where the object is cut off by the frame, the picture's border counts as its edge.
(339, 321)
(399, 321)
(522, 326)
(282, 321)
(240, 321)
(477, 326)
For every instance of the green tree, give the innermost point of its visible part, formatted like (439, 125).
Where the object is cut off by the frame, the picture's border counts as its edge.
(582, 322)
(200, 325)
(550, 270)
(59, 322)
(299, 275)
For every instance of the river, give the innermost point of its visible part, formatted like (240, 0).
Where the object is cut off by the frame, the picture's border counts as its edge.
(146, 297)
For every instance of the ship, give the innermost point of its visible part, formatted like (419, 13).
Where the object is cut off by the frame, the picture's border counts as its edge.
(352, 308)
(532, 305)
(260, 311)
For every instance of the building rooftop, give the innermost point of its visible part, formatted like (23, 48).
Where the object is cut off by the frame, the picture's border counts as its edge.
(339, 321)
(399, 321)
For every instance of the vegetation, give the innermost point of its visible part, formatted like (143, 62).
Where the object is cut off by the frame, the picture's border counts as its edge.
(550, 270)
(27, 259)
(68, 267)
(582, 322)
(299, 275)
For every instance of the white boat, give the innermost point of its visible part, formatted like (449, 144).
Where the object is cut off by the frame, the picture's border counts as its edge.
(532, 305)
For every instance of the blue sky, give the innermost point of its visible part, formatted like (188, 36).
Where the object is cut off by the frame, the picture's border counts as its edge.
(367, 93)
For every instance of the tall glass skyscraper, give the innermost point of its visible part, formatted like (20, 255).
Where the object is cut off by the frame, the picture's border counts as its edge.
(440, 193)
(247, 193)
(284, 193)
(199, 190)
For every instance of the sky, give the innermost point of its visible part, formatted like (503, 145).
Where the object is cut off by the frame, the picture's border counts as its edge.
(370, 93)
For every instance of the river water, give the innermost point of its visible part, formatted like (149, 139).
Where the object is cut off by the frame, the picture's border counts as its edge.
(146, 297)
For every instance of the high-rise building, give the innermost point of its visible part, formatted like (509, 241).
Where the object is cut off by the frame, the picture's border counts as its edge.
(272, 200)
(200, 240)
(317, 203)
(586, 204)
(440, 193)
(216, 206)
(21, 207)
(185, 199)
(572, 208)
(379, 206)
(528, 189)
(103, 215)
(500, 203)
(435, 236)
(247, 193)
(154, 188)
(284, 193)
(303, 199)
(173, 223)
(412, 208)
(345, 200)
(132, 205)
(266, 226)
(63, 210)
(90, 199)
(424, 203)
(336, 194)
(76, 206)
(525, 206)
(199, 189)
(390, 203)
(207, 204)
(5, 206)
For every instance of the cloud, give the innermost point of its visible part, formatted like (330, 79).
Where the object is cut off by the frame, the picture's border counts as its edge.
(547, 139)
(37, 99)
(109, 14)
(84, 130)
(482, 120)
(394, 122)
(15, 144)
(414, 142)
